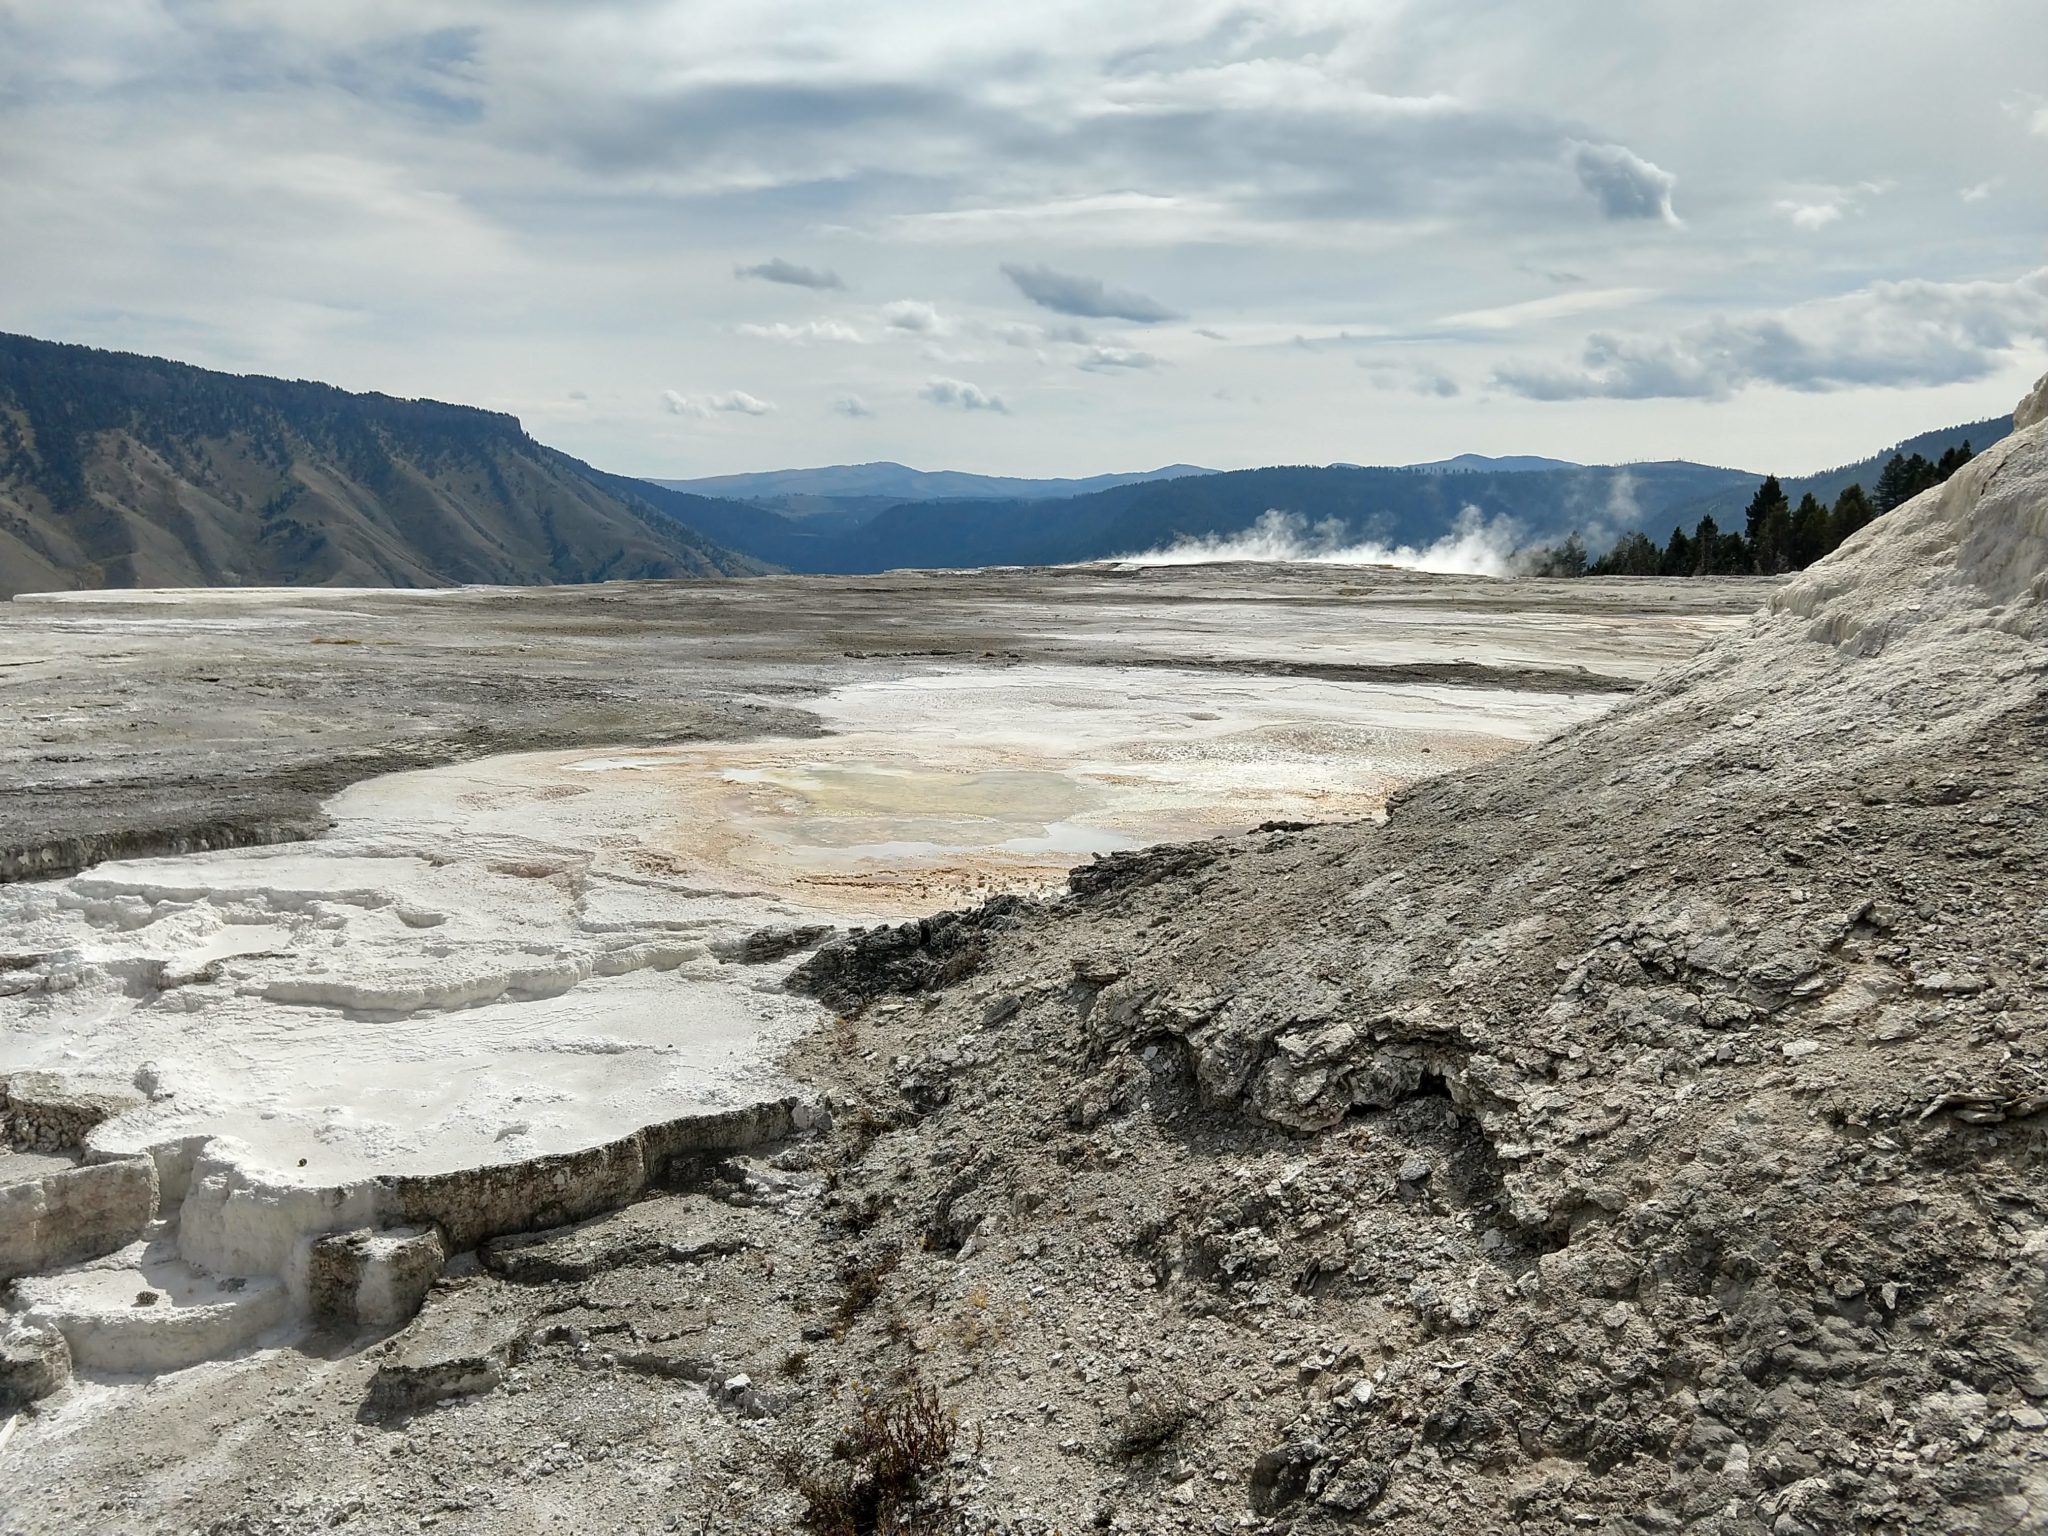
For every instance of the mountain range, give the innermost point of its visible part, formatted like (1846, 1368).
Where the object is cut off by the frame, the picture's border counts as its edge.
(1541, 500)
(122, 470)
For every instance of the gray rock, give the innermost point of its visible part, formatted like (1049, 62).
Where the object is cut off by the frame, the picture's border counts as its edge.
(778, 943)
(34, 1362)
(373, 1279)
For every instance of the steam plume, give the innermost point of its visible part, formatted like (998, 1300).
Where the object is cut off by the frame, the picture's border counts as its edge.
(1475, 546)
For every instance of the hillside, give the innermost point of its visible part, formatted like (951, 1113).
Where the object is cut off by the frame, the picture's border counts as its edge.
(836, 499)
(124, 471)
(893, 482)
(1643, 1133)
(1830, 483)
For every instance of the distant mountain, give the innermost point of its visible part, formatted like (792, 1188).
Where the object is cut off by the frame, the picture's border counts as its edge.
(890, 484)
(1543, 499)
(123, 471)
(1478, 463)
(1398, 506)
(898, 482)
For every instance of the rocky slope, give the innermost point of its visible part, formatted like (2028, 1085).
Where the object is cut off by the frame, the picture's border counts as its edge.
(1644, 1133)
(123, 471)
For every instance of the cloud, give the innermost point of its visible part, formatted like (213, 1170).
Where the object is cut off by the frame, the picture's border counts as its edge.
(479, 199)
(1088, 298)
(1625, 185)
(1980, 191)
(1107, 359)
(2038, 123)
(1553, 306)
(852, 405)
(1415, 378)
(961, 394)
(1810, 215)
(704, 407)
(1817, 207)
(1040, 340)
(914, 315)
(1889, 336)
(776, 270)
(802, 335)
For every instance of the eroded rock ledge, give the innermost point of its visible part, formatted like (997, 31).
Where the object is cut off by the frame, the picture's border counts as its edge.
(159, 1257)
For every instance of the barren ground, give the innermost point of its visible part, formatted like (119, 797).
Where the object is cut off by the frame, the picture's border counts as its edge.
(1631, 1134)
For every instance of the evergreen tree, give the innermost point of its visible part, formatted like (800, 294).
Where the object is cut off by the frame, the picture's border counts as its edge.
(1852, 511)
(1812, 531)
(1706, 547)
(1894, 484)
(1677, 559)
(1732, 558)
(1566, 559)
(1632, 555)
(1905, 478)
(1768, 528)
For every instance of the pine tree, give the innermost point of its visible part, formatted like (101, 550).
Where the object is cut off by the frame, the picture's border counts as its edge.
(1733, 559)
(1811, 530)
(1905, 478)
(1768, 531)
(1706, 547)
(1852, 511)
(1632, 555)
(1894, 484)
(1678, 558)
(1569, 558)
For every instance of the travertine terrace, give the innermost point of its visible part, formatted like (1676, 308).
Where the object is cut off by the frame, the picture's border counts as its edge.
(350, 984)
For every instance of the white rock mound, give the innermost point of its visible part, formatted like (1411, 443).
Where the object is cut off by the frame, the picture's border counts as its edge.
(1970, 553)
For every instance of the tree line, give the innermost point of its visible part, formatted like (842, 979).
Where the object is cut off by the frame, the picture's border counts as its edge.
(1776, 536)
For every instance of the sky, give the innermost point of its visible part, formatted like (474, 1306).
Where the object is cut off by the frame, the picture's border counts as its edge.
(681, 238)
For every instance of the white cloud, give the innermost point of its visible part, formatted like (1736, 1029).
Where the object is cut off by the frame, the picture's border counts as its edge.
(1625, 185)
(1553, 306)
(962, 395)
(852, 405)
(803, 334)
(1891, 335)
(914, 315)
(1816, 207)
(1115, 359)
(1811, 215)
(480, 199)
(703, 407)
